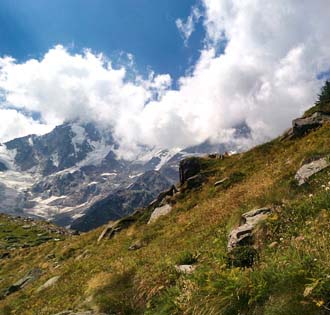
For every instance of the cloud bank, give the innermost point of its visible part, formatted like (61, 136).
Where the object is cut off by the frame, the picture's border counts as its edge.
(266, 76)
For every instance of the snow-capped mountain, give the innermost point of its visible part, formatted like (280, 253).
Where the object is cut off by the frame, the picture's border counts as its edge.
(72, 176)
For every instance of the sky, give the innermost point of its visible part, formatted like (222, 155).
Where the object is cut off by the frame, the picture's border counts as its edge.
(161, 73)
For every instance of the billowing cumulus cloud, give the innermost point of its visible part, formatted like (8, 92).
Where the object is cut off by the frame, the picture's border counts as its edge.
(266, 76)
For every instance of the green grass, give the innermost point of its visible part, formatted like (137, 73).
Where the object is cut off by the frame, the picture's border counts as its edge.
(323, 107)
(290, 277)
(17, 233)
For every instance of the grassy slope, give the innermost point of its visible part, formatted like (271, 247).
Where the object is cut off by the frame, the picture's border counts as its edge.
(109, 278)
(18, 233)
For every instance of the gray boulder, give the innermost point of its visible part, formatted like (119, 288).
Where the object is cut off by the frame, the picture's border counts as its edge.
(307, 170)
(162, 196)
(159, 212)
(188, 168)
(49, 283)
(301, 126)
(243, 235)
(31, 276)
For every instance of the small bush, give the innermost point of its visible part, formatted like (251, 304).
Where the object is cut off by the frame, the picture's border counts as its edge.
(242, 256)
(186, 258)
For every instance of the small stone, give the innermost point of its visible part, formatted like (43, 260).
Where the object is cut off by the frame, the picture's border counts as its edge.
(136, 245)
(186, 269)
(273, 245)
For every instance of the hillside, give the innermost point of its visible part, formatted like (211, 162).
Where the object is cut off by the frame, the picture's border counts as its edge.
(180, 263)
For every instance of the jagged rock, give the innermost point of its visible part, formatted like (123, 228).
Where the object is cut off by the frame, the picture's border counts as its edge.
(188, 168)
(136, 245)
(50, 282)
(109, 231)
(253, 217)
(307, 170)
(159, 212)
(167, 193)
(301, 126)
(114, 227)
(31, 276)
(243, 235)
(186, 269)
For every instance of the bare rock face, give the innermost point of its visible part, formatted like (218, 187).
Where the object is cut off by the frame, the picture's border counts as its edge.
(109, 231)
(31, 276)
(243, 235)
(301, 126)
(189, 168)
(159, 212)
(162, 196)
(307, 170)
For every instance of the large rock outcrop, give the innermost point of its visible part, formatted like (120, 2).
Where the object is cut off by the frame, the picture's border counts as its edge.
(309, 169)
(189, 168)
(243, 235)
(31, 276)
(159, 212)
(301, 126)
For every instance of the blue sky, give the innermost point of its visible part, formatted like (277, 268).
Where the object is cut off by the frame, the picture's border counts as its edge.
(144, 28)
(272, 60)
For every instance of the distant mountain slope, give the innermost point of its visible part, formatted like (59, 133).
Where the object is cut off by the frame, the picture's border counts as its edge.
(242, 234)
(74, 170)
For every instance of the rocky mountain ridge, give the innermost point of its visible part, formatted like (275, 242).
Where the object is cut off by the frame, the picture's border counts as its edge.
(73, 177)
(226, 240)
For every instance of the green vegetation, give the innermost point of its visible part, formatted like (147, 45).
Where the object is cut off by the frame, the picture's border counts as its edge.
(323, 102)
(324, 96)
(287, 272)
(18, 232)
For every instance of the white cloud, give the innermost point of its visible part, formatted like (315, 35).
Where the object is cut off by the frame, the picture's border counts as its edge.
(187, 27)
(14, 124)
(266, 76)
